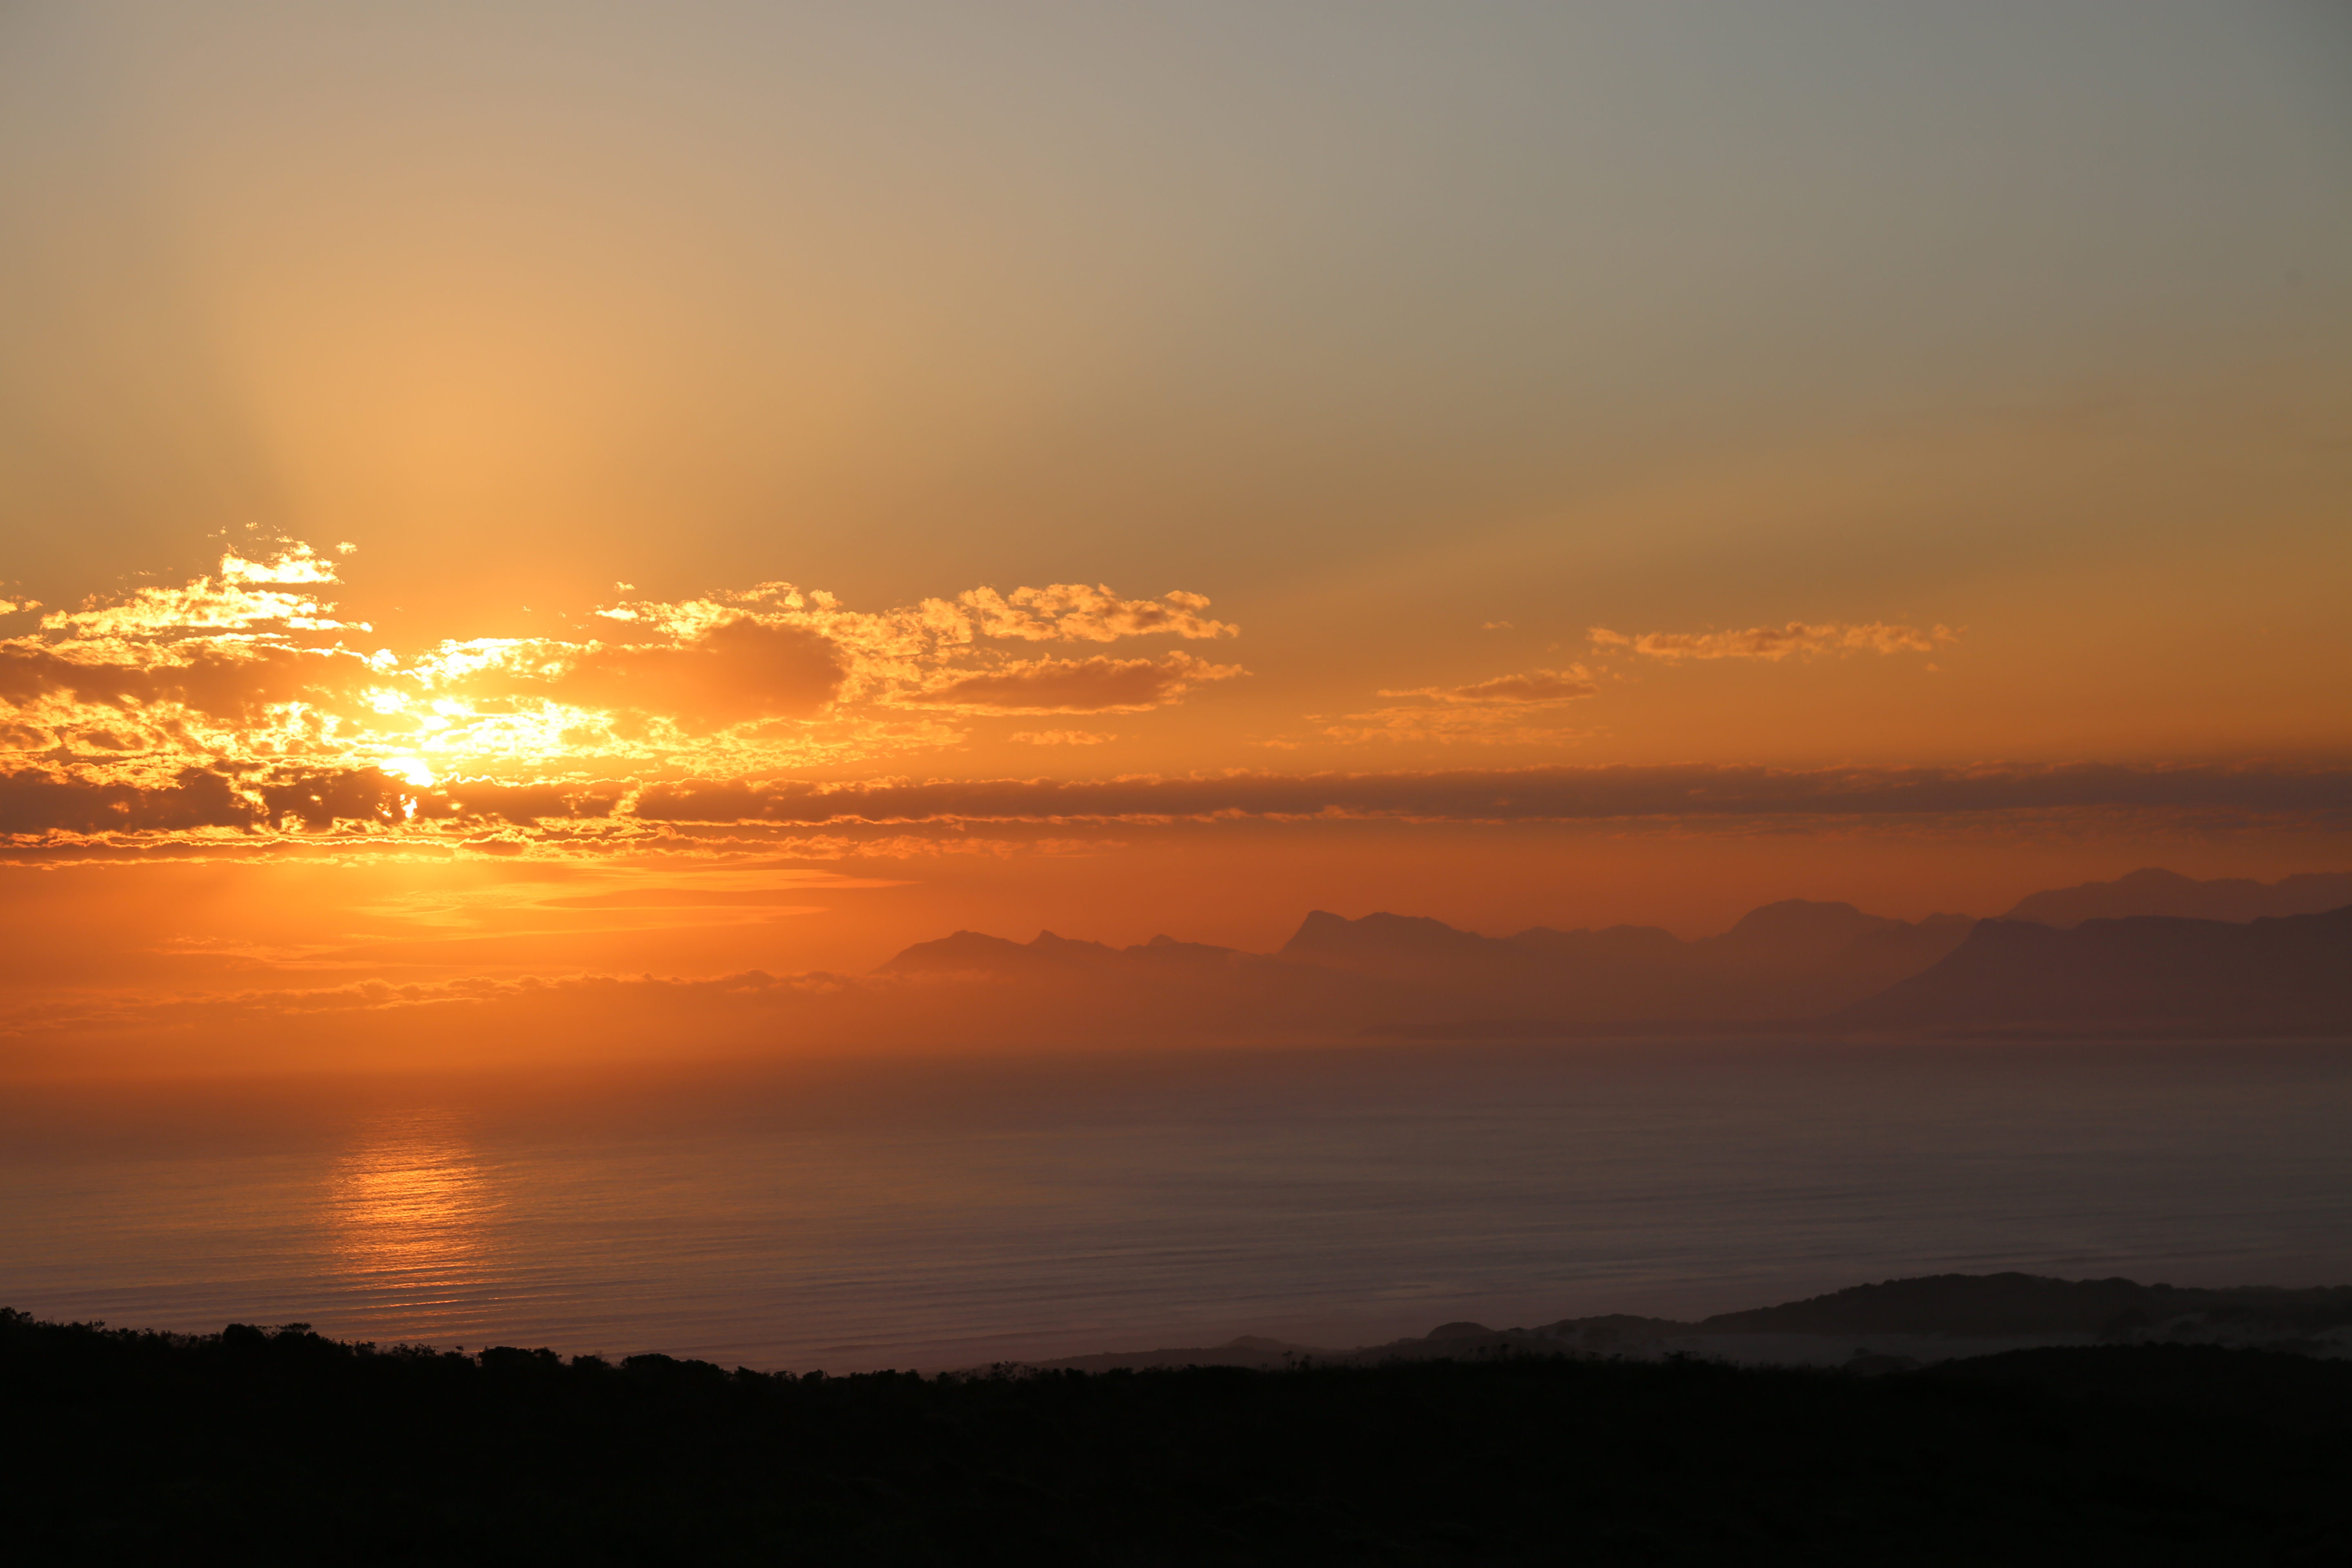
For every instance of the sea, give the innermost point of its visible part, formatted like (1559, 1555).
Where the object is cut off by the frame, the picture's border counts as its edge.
(933, 1213)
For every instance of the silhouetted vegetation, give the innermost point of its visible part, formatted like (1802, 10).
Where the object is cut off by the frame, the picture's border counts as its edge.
(281, 1446)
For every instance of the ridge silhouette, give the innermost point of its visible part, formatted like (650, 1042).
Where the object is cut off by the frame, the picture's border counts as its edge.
(1794, 963)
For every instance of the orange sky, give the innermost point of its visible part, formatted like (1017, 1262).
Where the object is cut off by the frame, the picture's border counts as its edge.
(577, 490)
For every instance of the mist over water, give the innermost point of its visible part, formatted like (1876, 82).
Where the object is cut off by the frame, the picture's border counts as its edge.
(936, 1214)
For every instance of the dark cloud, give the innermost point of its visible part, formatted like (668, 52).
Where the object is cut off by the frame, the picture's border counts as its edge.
(1511, 795)
(225, 681)
(521, 804)
(322, 799)
(36, 801)
(32, 801)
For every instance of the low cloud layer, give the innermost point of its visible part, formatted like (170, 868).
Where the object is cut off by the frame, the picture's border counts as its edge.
(1519, 795)
(35, 804)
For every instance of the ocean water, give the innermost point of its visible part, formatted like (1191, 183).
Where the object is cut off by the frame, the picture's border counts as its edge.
(937, 1213)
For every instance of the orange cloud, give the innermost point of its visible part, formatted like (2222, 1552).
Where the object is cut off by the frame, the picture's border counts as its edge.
(1777, 643)
(1506, 710)
(1097, 685)
(246, 596)
(733, 670)
(248, 667)
(1535, 686)
(1061, 737)
(1072, 612)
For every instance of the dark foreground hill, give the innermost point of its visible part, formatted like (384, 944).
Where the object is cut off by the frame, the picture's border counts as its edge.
(266, 1448)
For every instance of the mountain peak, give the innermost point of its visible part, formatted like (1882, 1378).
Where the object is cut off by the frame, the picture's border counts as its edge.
(1323, 936)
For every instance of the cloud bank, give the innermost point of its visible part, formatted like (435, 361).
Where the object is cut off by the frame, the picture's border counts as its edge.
(36, 804)
(1558, 793)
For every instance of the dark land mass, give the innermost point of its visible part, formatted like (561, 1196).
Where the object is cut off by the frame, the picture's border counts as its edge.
(2290, 974)
(1963, 1308)
(2156, 892)
(2032, 1303)
(1786, 960)
(1798, 964)
(279, 1447)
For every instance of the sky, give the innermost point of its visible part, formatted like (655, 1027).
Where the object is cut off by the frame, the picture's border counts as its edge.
(511, 496)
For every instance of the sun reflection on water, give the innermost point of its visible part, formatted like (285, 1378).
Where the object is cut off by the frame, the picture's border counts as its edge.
(411, 1206)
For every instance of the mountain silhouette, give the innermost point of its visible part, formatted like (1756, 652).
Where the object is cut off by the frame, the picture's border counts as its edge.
(2286, 974)
(2155, 891)
(1785, 960)
(1957, 1306)
(1793, 964)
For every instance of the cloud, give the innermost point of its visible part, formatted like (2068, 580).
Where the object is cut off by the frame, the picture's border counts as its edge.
(212, 809)
(1555, 794)
(1536, 688)
(36, 802)
(735, 669)
(1072, 612)
(245, 595)
(1777, 643)
(249, 667)
(1061, 737)
(1447, 727)
(1506, 710)
(1097, 685)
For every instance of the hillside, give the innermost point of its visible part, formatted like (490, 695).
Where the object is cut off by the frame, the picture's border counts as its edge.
(281, 1446)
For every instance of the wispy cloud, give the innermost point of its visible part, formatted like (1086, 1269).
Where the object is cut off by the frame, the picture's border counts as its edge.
(1775, 642)
(1505, 710)
(1536, 688)
(1097, 685)
(1072, 612)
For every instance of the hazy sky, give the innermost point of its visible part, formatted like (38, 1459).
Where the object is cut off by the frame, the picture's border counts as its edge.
(1413, 391)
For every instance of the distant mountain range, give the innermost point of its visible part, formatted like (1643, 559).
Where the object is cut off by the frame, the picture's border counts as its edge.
(2158, 893)
(1927, 1318)
(1797, 963)
(2292, 973)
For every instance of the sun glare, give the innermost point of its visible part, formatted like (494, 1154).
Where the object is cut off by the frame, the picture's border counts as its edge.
(411, 770)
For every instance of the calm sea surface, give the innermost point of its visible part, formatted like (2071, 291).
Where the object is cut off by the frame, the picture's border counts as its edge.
(931, 1215)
